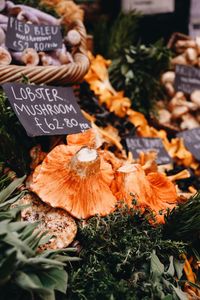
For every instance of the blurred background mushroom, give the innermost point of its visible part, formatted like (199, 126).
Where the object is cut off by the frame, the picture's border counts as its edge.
(5, 57)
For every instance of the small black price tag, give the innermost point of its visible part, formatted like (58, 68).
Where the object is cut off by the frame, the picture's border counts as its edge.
(21, 35)
(192, 141)
(46, 110)
(187, 79)
(136, 145)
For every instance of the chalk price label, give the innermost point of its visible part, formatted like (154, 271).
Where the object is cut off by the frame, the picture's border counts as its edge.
(21, 35)
(191, 140)
(45, 110)
(136, 145)
(187, 79)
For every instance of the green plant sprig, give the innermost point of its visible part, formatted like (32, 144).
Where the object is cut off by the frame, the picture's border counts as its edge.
(137, 70)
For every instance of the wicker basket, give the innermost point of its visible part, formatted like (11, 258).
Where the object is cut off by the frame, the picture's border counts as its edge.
(57, 75)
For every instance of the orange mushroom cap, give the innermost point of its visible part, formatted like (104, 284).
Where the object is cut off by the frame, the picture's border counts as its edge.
(154, 191)
(90, 138)
(77, 180)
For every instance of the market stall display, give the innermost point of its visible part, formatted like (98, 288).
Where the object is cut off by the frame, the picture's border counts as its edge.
(181, 108)
(110, 206)
(67, 63)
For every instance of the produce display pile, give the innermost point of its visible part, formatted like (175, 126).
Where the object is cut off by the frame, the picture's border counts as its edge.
(82, 217)
(31, 56)
(181, 110)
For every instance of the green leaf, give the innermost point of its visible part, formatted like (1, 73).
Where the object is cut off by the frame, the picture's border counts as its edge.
(5, 193)
(33, 240)
(168, 297)
(4, 227)
(38, 260)
(7, 266)
(196, 254)
(13, 240)
(179, 268)
(21, 266)
(130, 59)
(55, 278)
(193, 284)
(6, 205)
(49, 253)
(63, 258)
(180, 293)
(16, 226)
(157, 268)
(171, 269)
(28, 230)
(28, 281)
(49, 296)
(129, 75)
(124, 69)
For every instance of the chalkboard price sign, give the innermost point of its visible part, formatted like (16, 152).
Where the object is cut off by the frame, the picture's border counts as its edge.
(46, 110)
(187, 79)
(192, 141)
(136, 145)
(21, 35)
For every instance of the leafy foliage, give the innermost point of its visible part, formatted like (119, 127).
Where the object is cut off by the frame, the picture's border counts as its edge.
(123, 32)
(25, 273)
(163, 281)
(14, 142)
(136, 70)
(116, 258)
(183, 222)
(109, 38)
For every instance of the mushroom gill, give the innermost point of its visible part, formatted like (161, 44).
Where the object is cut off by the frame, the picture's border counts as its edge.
(153, 191)
(77, 180)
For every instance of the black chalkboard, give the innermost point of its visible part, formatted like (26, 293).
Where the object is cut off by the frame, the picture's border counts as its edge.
(136, 145)
(192, 141)
(45, 110)
(187, 79)
(21, 35)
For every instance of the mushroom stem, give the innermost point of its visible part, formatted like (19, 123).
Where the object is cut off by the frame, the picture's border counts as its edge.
(27, 16)
(168, 76)
(29, 57)
(85, 162)
(191, 55)
(73, 37)
(182, 45)
(3, 19)
(4, 27)
(5, 57)
(181, 175)
(63, 55)
(16, 55)
(2, 5)
(109, 137)
(195, 97)
(180, 59)
(2, 36)
(49, 59)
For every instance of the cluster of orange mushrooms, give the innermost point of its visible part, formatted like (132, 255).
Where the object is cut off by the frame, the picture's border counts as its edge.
(85, 180)
(82, 178)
